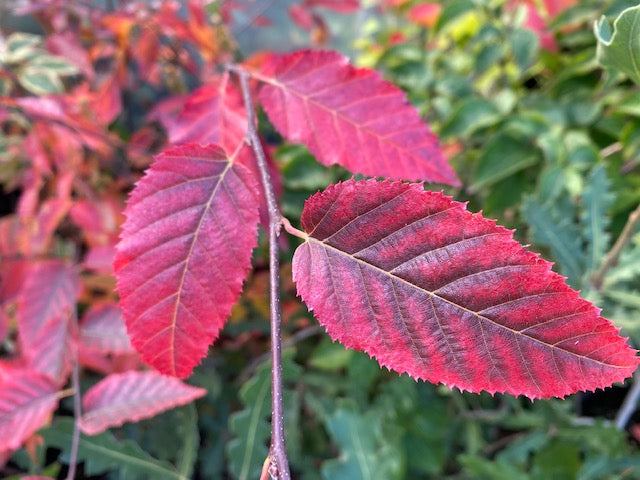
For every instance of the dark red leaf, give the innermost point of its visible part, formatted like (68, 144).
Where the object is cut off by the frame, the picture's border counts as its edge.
(415, 280)
(185, 250)
(46, 306)
(27, 400)
(131, 397)
(350, 116)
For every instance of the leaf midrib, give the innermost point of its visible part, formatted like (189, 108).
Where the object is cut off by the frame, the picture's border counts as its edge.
(358, 126)
(174, 316)
(461, 307)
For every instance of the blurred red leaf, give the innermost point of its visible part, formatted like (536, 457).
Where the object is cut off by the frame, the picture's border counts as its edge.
(131, 397)
(46, 305)
(103, 329)
(428, 288)
(425, 14)
(213, 113)
(301, 16)
(68, 45)
(340, 6)
(185, 251)
(27, 400)
(350, 116)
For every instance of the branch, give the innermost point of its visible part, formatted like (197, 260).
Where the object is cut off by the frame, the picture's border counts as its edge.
(279, 464)
(611, 258)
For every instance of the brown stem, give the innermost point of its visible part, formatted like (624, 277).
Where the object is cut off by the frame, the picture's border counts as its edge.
(279, 467)
(611, 258)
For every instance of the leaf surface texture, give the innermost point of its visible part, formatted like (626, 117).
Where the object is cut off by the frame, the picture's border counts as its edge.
(27, 400)
(428, 288)
(350, 116)
(130, 397)
(184, 252)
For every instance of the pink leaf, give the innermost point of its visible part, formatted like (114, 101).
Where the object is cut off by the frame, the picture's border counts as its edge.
(46, 306)
(185, 250)
(27, 400)
(103, 329)
(428, 288)
(131, 397)
(350, 116)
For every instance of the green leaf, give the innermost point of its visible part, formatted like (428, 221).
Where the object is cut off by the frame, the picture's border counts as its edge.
(619, 46)
(21, 46)
(452, 10)
(250, 426)
(6, 85)
(503, 156)
(301, 170)
(559, 232)
(330, 355)
(482, 469)
(627, 298)
(54, 63)
(248, 450)
(471, 115)
(628, 268)
(40, 81)
(101, 453)
(365, 455)
(525, 46)
(597, 200)
(559, 460)
(190, 437)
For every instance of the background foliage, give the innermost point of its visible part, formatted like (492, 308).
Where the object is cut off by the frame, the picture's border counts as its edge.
(543, 138)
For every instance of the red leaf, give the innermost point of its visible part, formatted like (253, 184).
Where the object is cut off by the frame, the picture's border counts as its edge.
(185, 250)
(214, 113)
(350, 116)
(100, 259)
(131, 397)
(425, 14)
(46, 305)
(415, 280)
(103, 329)
(27, 400)
(340, 6)
(301, 16)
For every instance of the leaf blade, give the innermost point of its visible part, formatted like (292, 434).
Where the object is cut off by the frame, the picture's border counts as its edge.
(27, 399)
(430, 289)
(309, 97)
(104, 452)
(131, 397)
(46, 305)
(174, 295)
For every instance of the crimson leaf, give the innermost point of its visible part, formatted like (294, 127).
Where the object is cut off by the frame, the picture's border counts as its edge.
(350, 116)
(184, 252)
(428, 288)
(130, 397)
